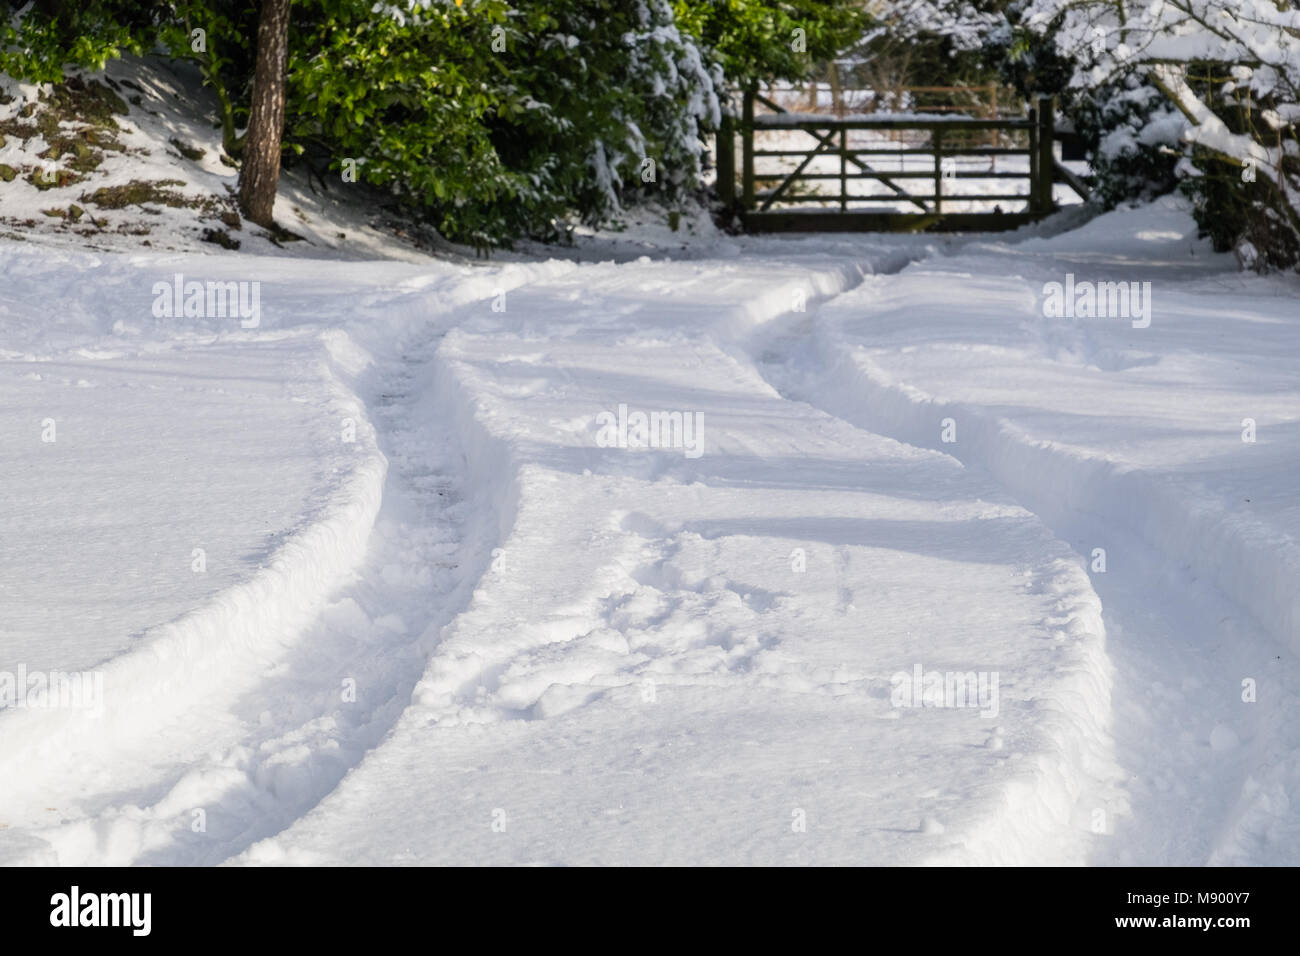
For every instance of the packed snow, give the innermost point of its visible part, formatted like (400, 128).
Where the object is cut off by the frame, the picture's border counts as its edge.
(809, 550)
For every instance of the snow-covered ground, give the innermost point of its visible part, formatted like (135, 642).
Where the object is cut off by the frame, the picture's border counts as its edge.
(384, 579)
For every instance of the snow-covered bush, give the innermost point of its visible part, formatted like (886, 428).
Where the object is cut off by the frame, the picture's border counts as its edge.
(1131, 129)
(1231, 68)
(502, 120)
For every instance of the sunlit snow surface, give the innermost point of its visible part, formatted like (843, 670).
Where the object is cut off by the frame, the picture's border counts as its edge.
(443, 619)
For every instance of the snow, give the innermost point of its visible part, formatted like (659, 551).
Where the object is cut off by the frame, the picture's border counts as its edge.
(642, 610)
(1130, 440)
(448, 613)
(131, 421)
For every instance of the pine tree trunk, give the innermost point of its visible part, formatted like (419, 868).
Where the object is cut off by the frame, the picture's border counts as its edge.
(260, 174)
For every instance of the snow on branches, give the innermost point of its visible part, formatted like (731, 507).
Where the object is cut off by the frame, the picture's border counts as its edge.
(1230, 67)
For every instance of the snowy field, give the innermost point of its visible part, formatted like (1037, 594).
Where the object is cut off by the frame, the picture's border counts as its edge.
(914, 572)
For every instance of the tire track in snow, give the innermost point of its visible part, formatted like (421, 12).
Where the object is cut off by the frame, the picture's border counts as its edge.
(65, 752)
(535, 647)
(314, 711)
(1167, 660)
(229, 755)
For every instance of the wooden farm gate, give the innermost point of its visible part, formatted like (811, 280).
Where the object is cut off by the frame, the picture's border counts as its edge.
(928, 157)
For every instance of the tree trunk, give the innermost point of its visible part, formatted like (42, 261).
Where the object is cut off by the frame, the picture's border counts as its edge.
(260, 174)
(837, 95)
